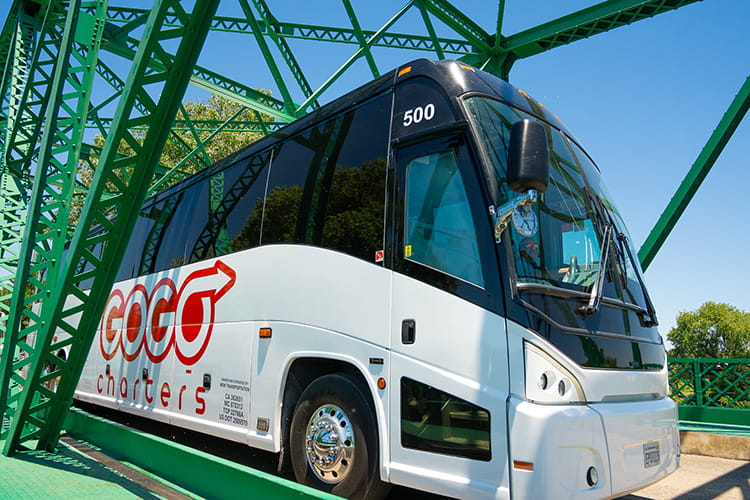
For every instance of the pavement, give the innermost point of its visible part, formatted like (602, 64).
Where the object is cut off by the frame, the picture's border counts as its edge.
(701, 477)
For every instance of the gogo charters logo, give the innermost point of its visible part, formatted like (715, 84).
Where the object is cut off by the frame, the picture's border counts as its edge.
(164, 318)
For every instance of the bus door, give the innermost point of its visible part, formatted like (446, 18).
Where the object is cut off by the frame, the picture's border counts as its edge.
(449, 353)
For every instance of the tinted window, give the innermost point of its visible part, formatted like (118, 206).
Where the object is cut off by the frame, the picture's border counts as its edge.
(236, 206)
(286, 184)
(151, 229)
(136, 246)
(435, 421)
(354, 196)
(189, 214)
(438, 228)
(327, 185)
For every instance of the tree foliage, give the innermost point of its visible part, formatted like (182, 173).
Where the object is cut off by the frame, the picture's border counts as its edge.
(191, 149)
(714, 330)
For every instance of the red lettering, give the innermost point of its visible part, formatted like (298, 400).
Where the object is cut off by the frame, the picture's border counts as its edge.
(148, 383)
(99, 383)
(179, 399)
(160, 319)
(135, 384)
(111, 386)
(165, 394)
(124, 387)
(198, 399)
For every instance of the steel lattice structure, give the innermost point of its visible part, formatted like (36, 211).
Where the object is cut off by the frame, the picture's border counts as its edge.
(56, 185)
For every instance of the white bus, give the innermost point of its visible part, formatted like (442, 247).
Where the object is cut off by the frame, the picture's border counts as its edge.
(423, 283)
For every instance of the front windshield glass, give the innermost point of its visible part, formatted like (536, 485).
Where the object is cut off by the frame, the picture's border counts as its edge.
(557, 245)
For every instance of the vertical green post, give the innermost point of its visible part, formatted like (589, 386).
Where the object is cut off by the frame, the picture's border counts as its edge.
(698, 382)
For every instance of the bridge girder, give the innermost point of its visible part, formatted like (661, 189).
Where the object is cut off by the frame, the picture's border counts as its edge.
(56, 185)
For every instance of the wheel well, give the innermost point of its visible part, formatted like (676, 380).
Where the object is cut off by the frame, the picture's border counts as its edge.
(302, 372)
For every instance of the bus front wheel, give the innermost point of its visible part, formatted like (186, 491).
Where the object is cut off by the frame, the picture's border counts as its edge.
(333, 439)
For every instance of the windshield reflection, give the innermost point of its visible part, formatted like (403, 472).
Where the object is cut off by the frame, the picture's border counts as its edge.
(572, 242)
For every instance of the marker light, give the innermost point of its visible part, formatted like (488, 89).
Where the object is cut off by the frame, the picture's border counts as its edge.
(404, 71)
(381, 383)
(517, 464)
(265, 333)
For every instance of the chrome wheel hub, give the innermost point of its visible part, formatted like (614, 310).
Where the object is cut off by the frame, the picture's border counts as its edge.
(330, 444)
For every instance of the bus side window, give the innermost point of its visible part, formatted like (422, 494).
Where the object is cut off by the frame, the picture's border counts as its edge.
(283, 201)
(354, 196)
(242, 206)
(438, 227)
(187, 218)
(136, 246)
(153, 220)
(438, 422)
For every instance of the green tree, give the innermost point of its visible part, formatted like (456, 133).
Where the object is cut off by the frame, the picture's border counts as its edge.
(715, 330)
(215, 146)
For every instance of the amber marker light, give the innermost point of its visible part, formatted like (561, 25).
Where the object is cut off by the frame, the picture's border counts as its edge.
(517, 464)
(404, 71)
(381, 383)
(464, 66)
(265, 333)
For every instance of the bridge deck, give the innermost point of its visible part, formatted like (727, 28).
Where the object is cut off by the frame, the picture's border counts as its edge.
(81, 470)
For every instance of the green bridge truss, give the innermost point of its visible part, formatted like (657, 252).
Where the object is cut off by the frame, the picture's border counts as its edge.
(62, 84)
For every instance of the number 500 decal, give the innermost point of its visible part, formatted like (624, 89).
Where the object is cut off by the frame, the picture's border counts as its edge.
(419, 114)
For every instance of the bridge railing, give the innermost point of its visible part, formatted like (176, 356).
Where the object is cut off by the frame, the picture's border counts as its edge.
(711, 390)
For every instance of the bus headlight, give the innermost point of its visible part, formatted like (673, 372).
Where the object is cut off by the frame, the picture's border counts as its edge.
(547, 380)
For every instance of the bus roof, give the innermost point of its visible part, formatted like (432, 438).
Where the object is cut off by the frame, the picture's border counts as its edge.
(454, 78)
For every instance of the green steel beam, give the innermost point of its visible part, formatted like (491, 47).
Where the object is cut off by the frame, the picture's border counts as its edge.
(695, 176)
(270, 61)
(203, 78)
(240, 93)
(34, 43)
(286, 52)
(460, 23)
(118, 85)
(180, 125)
(431, 31)
(33, 61)
(112, 206)
(361, 39)
(47, 216)
(354, 57)
(314, 32)
(586, 23)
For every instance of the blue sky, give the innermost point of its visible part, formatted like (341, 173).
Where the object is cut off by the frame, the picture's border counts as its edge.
(643, 100)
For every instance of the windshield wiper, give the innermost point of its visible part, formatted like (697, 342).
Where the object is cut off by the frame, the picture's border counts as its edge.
(595, 297)
(650, 310)
(621, 248)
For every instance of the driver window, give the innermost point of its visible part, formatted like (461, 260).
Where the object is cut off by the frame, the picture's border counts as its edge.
(439, 231)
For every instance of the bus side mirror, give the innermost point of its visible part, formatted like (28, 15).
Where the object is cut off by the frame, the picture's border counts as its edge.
(528, 157)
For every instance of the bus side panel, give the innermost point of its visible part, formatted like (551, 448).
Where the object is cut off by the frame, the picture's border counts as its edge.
(318, 304)
(448, 417)
(183, 346)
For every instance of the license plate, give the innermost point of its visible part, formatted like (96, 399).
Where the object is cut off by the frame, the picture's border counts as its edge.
(651, 456)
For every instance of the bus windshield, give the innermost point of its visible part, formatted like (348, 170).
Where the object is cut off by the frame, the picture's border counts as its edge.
(572, 243)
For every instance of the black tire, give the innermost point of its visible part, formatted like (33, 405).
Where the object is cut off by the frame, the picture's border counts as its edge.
(345, 433)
